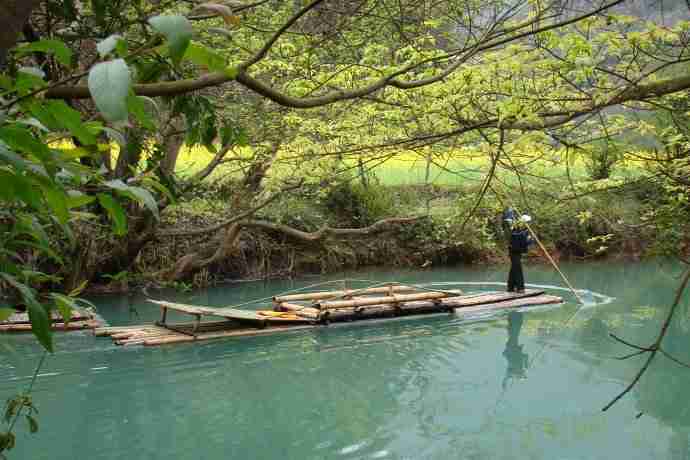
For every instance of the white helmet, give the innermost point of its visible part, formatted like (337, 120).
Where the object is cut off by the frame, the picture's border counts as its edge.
(526, 218)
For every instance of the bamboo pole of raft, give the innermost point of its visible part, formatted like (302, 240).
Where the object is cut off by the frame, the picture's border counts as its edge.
(343, 293)
(394, 299)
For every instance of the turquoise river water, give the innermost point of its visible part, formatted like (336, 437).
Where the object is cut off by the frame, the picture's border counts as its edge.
(530, 384)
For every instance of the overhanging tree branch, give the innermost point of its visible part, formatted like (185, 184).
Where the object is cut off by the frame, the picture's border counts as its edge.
(250, 82)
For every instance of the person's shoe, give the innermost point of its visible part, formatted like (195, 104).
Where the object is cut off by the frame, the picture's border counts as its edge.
(520, 291)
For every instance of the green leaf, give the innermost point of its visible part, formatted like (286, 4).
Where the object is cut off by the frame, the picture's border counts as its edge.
(139, 194)
(40, 321)
(9, 157)
(24, 191)
(204, 56)
(21, 139)
(62, 53)
(57, 201)
(104, 47)
(78, 290)
(65, 305)
(115, 212)
(29, 78)
(137, 107)
(177, 30)
(77, 199)
(70, 119)
(231, 71)
(30, 225)
(109, 84)
(156, 185)
(5, 313)
(146, 198)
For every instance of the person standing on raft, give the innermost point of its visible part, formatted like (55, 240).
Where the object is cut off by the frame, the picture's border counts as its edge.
(519, 240)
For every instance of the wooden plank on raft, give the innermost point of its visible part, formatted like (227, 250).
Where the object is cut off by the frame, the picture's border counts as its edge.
(78, 314)
(71, 326)
(513, 303)
(227, 313)
(385, 300)
(344, 293)
(423, 306)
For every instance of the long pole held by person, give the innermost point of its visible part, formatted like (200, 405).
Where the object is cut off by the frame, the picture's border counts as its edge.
(546, 253)
(553, 262)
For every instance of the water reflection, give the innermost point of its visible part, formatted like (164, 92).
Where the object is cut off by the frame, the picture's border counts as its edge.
(514, 353)
(663, 391)
(414, 388)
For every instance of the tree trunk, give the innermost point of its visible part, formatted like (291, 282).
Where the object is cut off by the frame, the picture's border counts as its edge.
(129, 155)
(172, 143)
(13, 16)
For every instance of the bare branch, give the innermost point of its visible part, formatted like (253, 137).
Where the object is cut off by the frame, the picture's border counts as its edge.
(232, 220)
(656, 346)
(271, 41)
(325, 231)
(631, 345)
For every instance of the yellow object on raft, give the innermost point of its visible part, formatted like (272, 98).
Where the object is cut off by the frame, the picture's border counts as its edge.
(278, 314)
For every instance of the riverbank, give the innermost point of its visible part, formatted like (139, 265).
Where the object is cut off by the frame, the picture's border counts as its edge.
(603, 225)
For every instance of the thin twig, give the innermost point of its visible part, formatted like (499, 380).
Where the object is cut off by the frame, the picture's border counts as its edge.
(625, 342)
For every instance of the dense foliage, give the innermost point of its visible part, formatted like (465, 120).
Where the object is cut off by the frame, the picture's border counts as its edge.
(574, 112)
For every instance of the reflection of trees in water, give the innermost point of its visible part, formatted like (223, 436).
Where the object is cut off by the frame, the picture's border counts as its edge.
(663, 391)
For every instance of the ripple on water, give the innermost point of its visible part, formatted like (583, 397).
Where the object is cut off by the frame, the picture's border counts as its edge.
(438, 387)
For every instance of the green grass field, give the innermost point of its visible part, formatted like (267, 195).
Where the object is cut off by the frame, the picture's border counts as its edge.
(459, 169)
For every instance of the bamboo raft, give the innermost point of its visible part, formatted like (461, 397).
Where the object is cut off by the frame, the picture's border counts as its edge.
(80, 319)
(298, 312)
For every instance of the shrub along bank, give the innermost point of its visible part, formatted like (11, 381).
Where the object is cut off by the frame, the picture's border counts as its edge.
(593, 221)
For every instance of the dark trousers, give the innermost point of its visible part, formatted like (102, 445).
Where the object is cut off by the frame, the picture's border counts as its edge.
(516, 280)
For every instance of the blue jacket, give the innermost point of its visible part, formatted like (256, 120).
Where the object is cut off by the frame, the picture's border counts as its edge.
(520, 240)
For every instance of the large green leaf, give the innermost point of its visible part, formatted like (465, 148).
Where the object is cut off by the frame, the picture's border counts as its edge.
(29, 224)
(24, 190)
(62, 53)
(204, 56)
(139, 194)
(77, 199)
(57, 200)
(38, 314)
(29, 78)
(116, 213)
(109, 84)
(70, 119)
(65, 305)
(177, 30)
(21, 139)
(146, 198)
(137, 107)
